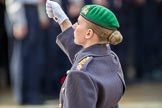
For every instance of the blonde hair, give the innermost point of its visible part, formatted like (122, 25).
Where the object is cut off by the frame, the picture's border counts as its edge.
(106, 36)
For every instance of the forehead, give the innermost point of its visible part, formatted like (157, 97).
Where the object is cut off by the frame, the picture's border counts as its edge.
(83, 20)
(80, 18)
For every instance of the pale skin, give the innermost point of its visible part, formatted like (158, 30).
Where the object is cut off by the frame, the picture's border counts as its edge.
(82, 34)
(20, 31)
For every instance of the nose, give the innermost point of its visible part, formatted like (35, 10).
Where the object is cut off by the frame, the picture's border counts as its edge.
(74, 25)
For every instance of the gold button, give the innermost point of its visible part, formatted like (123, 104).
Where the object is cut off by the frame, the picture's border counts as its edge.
(63, 90)
(60, 105)
(68, 72)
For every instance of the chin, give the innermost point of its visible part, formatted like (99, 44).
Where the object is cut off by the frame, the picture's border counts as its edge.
(76, 42)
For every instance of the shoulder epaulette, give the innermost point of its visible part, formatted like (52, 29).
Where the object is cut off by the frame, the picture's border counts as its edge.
(83, 63)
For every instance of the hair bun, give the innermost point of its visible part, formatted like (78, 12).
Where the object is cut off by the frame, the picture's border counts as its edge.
(115, 38)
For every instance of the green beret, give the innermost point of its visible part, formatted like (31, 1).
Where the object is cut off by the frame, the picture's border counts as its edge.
(100, 15)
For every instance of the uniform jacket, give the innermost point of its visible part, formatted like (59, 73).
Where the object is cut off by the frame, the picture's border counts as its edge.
(95, 79)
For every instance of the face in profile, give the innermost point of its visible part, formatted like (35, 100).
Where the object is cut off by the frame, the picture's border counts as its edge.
(80, 31)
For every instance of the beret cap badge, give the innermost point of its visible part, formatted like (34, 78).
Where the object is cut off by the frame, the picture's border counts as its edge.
(85, 10)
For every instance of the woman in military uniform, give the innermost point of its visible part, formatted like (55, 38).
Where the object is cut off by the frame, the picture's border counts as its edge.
(95, 79)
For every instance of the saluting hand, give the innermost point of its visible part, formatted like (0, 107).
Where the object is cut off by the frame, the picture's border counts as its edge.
(54, 10)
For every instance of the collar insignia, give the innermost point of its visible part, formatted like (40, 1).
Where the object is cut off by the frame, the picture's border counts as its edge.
(81, 63)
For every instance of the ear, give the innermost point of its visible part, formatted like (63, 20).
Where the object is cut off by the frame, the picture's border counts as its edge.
(89, 34)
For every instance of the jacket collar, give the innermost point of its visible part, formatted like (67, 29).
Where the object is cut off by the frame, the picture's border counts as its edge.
(94, 50)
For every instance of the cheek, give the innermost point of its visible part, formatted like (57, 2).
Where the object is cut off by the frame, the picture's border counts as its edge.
(78, 37)
(77, 33)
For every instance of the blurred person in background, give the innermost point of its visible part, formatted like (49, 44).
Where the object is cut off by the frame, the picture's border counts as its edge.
(140, 46)
(157, 70)
(124, 11)
(148, 36)
(3, 49)
(27, 53)
(73, 9)
(159, 5)
(104, 3)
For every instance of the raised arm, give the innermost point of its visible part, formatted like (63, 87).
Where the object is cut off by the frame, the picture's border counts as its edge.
(66, 39)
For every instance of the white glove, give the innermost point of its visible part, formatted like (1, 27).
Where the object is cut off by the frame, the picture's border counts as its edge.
(54, 10)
